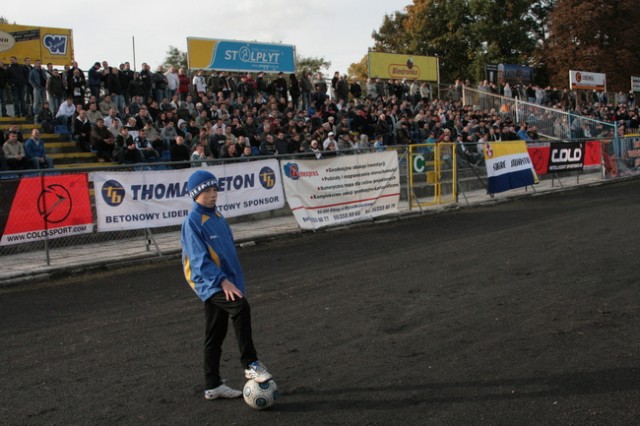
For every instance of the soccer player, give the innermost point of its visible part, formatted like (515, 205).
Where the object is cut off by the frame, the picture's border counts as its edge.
(212, 269)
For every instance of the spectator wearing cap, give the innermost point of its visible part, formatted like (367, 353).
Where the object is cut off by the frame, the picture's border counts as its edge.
(95, 79)
(330, 143)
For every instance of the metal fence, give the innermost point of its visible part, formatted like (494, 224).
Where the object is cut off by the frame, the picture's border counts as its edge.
(550, 123)
(444, 177)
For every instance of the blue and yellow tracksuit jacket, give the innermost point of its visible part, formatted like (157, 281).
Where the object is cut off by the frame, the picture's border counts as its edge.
(209, 252)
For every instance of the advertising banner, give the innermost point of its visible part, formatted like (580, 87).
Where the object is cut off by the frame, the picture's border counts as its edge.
(564, 156)
(394, 66)
(38, 208)
(343, 189)
(587, 80)
(635, 84)
(242, 56)
(508, 166)
(54, 45)
(134, 200)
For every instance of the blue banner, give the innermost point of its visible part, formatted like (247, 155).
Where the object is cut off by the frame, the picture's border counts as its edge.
(253, 57)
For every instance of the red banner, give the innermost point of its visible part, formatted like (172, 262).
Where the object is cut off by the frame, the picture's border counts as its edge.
(541, 155)
(37, 208)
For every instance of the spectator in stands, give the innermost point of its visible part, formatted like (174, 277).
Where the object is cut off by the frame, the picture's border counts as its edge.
(198, 155)
(95, 80)
(66, 112)
(183, 84)
(55, 90)
(113, 88)
(136, 87)
(169, 135)
(267, 146)
(82, 131)
(522, 133)
(93, 114)
(330, 143)
(3, 95)
(159, 84)
(180, 152)
(281, 143)
(38, 81)
(106, 105)
(35, 152)
(126, 149)
(17, 76)
(76, 85)
(173, 81)
(14, 153)
(146, 148)
(112, 116)
(103, 142)
(45, 118)
(217, 141)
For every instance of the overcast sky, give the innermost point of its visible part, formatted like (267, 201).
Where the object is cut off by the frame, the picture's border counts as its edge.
(337, 30)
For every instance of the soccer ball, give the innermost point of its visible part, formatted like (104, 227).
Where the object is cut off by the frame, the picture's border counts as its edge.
(260, 395)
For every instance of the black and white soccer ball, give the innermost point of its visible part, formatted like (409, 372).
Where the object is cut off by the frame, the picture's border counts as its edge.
(260, 395)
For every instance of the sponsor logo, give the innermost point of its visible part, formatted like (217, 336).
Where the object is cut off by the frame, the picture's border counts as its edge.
(292, 171)
(565, 155)
(254, 55)
(54, 203)
(488, 150)
(56, 44)
(7, 41)
(408, 70)
(113, 193)
(267, 177)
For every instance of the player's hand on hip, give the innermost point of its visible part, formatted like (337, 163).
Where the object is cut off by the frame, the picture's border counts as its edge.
(231, 291)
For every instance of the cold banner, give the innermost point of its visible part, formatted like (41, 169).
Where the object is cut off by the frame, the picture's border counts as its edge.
(342, 189)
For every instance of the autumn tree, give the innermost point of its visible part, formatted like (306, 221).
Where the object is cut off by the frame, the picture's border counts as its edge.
(466, 34)
(594, 35)
(359, 70)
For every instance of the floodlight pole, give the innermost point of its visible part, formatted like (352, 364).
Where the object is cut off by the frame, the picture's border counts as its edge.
(133, 42)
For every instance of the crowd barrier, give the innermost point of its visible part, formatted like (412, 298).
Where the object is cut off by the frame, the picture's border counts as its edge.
(55, 209)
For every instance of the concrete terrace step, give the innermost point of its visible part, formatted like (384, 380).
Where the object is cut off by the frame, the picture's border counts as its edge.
(58, 144)
(72, 155)
(82, 165)
(25, 126)
(12, 120)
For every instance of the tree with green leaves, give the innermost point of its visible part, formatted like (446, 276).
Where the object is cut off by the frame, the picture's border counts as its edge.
(175, 57)
(311, 63)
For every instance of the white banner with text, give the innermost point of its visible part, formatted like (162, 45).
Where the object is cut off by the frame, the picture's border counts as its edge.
(342, 189)
(150, 199)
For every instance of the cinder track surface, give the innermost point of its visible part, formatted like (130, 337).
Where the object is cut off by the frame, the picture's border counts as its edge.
(525, 312)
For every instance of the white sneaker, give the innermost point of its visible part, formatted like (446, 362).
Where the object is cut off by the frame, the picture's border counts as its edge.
(258, 372)
(222, 391)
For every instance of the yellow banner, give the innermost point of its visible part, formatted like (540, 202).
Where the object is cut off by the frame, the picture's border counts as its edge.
(200, 52)
(50, 45)
(394, 66)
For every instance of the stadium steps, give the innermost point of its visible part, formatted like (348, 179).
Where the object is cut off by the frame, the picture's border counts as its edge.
(64, 152)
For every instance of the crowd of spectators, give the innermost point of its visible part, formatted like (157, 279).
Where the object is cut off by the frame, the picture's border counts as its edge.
(128, 116)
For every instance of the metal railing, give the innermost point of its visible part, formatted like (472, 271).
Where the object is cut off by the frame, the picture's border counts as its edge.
(441, 182)
(550, 123)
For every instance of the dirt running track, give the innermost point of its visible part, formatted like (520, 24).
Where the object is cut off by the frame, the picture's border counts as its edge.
(526, 312)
